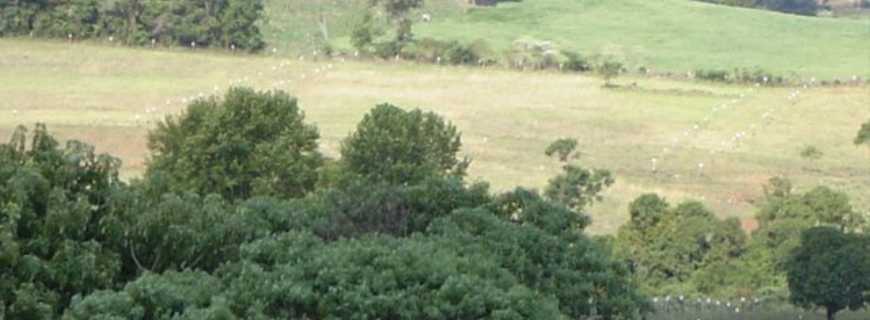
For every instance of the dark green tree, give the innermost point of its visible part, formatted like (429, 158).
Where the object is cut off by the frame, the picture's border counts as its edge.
(398, 12)
(863, 135)
(562, 148)
(830, 269)
(647, 211)
(248, 144)
(55, 224)
(558, 262)
(398, 146)
(578, 187)
(669, 247)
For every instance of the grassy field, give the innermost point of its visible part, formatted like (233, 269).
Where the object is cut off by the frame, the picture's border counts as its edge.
(110, 96)
(664, 35)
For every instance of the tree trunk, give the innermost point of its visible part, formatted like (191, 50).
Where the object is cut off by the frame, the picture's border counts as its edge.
(830, 312)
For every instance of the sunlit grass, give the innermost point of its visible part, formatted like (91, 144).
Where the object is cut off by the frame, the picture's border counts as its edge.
(110, 96)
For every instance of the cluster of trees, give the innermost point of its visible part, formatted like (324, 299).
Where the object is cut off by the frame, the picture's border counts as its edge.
(216, 23)
(686, 250)
(801, 7)
(240, 217)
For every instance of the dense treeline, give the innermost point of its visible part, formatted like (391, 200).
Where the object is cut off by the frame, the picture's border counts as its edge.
(204, 23)
(802, 7)
(709, 257)
(239, 217)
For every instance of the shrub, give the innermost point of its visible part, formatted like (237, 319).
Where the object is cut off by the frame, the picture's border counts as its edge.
(449, 52)
(575, 62)
(533, 54)
(757, 75)
(712, 75)
(811, 152)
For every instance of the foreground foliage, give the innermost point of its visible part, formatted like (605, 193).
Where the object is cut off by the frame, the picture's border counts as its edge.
(830, 269)
(367, 243)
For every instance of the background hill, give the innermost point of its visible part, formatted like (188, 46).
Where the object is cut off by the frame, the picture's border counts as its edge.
(110, 96)
(666, 35)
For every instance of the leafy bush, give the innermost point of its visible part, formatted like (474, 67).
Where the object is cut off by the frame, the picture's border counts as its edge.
(533, 54)
(757, 76)
(576, 62)
(448, 52)
(609, 69)
(712, 75)
(863, 134)
(811, 152)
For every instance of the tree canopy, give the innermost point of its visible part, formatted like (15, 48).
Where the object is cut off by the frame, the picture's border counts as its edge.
(405, 238)
(248, 144)
(398, 146)
(830, 269)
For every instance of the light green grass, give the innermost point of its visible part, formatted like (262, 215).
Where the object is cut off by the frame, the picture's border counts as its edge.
(676, 35)
(110, 96)
(663, 35)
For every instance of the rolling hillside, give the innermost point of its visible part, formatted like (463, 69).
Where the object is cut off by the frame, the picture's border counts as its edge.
(110, 97)
(665, 35)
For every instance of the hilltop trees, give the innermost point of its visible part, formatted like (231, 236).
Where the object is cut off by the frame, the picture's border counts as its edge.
(830, 269)
(248, 144)
(226, 23)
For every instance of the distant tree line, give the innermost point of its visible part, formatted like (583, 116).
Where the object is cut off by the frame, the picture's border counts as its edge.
(802, 7)
(201, 23)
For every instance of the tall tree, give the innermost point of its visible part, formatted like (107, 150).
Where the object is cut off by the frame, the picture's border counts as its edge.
(830, 269)
(248, 144)
(398, 146)
(398, 11)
